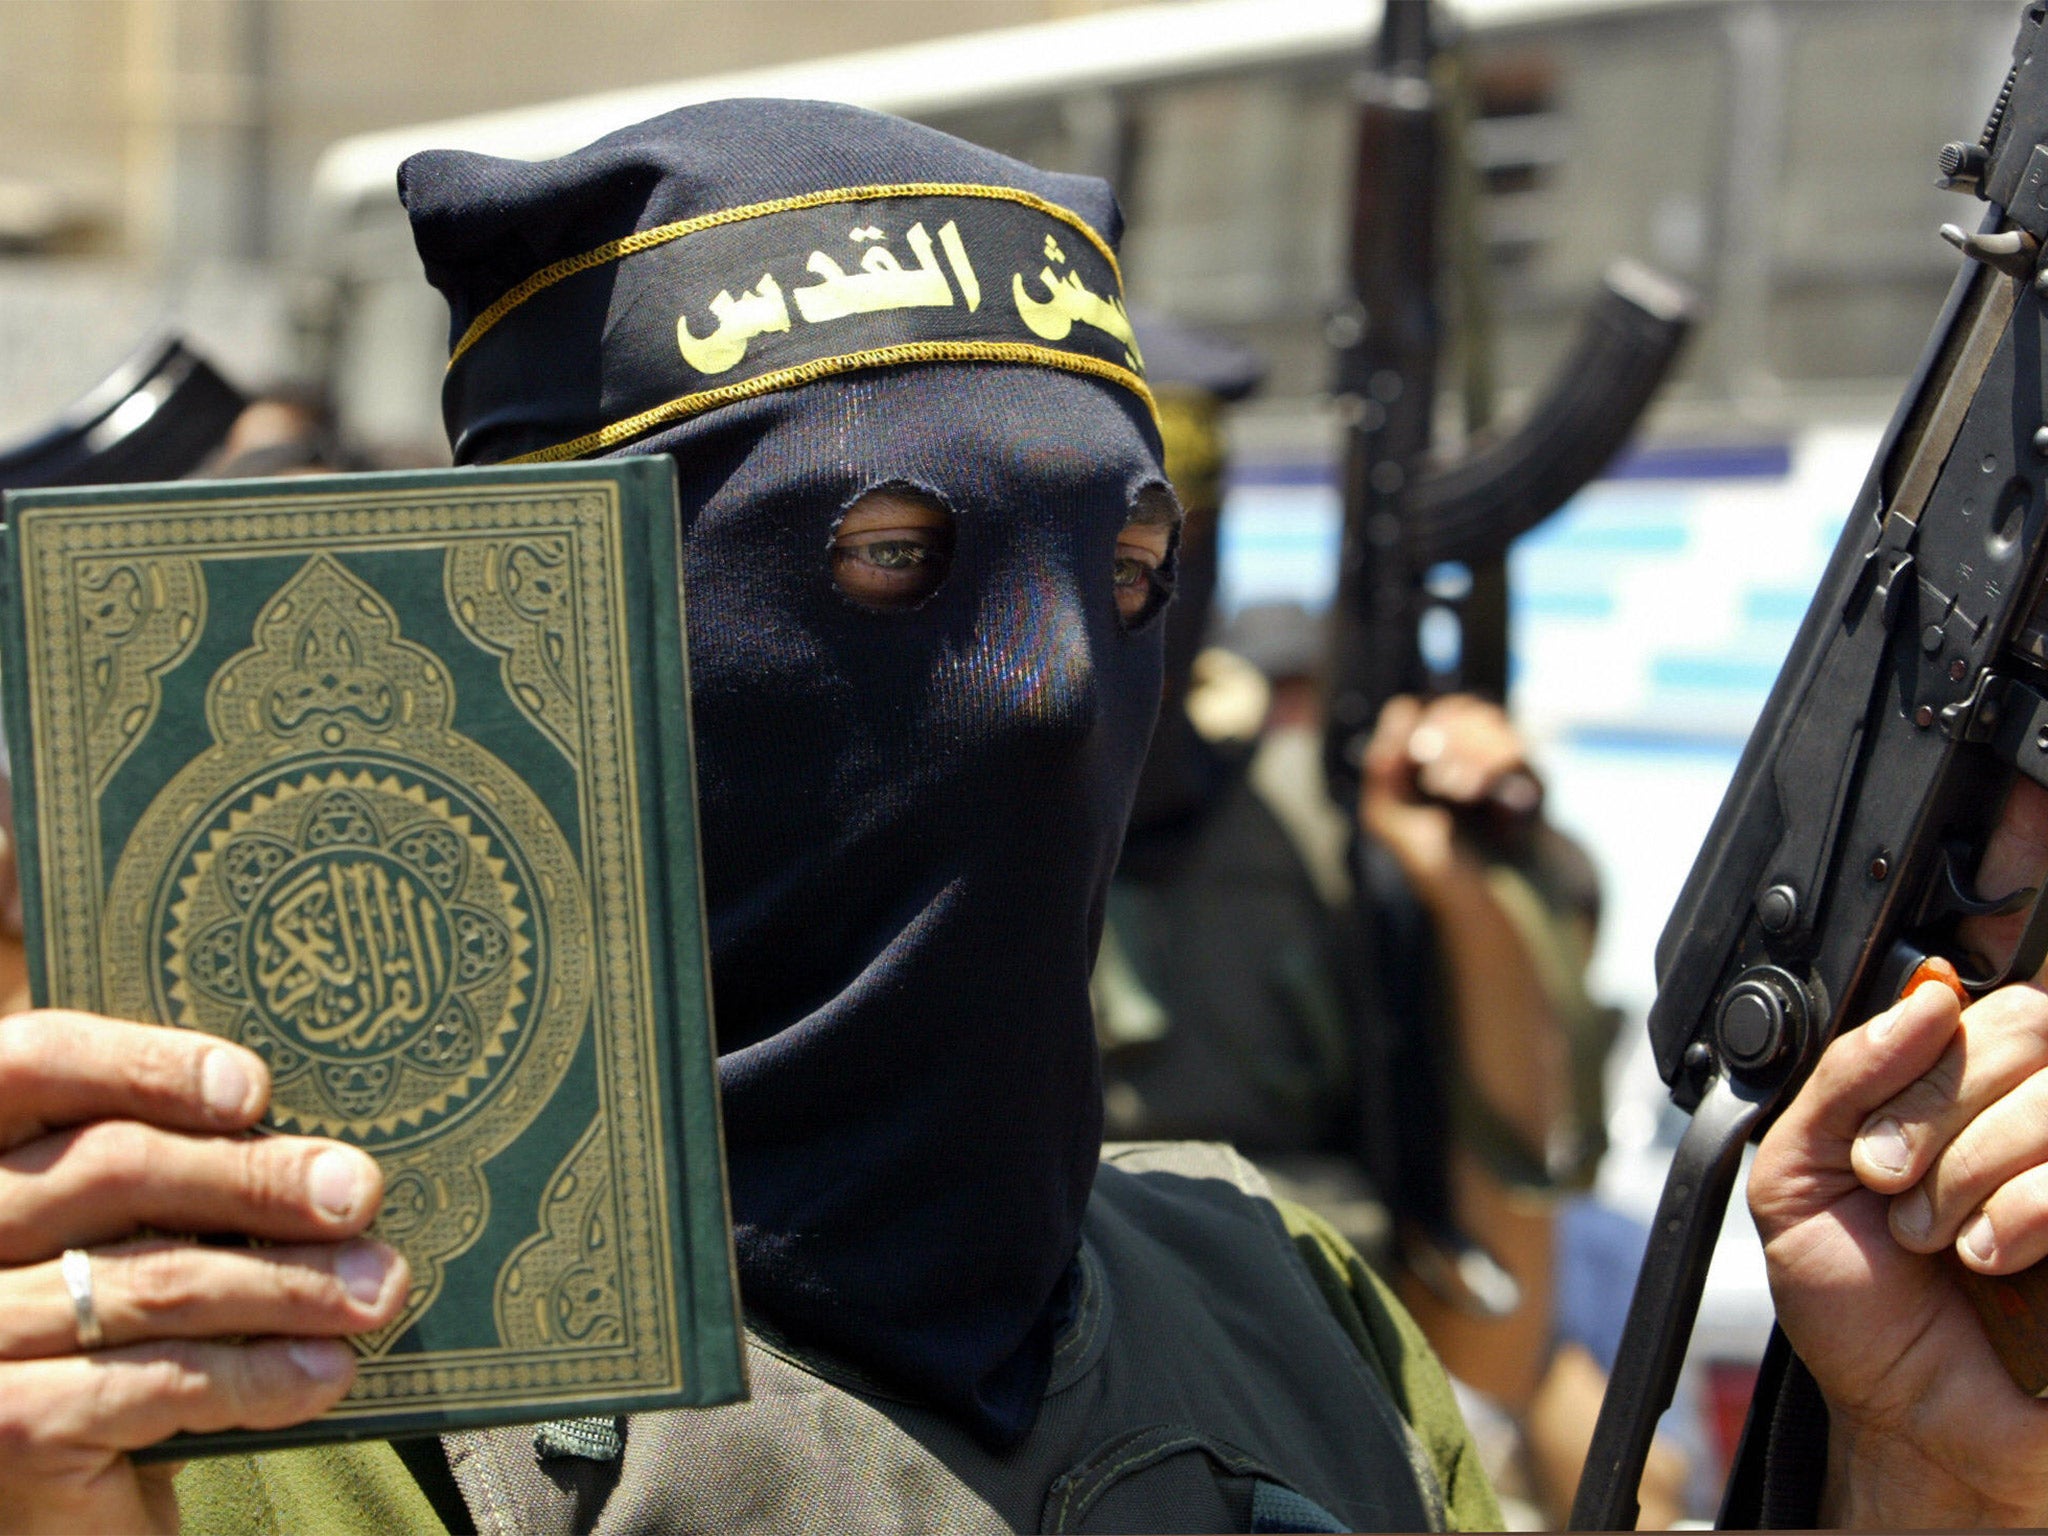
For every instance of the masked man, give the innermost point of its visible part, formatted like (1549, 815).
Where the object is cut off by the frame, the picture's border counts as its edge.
(926, 540)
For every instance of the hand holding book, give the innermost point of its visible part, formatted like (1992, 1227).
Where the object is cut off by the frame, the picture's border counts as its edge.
(376, 787)
(107, 1127)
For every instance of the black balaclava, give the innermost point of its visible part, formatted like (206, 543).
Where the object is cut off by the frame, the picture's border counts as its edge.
(909, 818)
(1195, 377)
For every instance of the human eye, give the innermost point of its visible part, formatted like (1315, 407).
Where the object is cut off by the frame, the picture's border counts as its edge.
(892, 548)
(1138, 572)
(890, 553)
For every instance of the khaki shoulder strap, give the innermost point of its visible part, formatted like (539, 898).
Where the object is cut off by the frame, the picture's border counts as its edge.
(332, 1490)
(1393, 1345)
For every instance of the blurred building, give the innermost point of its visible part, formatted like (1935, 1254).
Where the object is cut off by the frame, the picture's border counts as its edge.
(156, 155)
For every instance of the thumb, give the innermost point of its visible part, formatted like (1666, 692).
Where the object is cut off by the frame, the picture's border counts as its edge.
(1387, 770)
(1859, 1071)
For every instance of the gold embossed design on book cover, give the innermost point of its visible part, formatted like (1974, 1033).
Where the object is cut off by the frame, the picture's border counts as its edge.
(348, 884)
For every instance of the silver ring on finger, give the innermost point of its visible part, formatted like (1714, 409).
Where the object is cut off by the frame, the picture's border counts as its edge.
(77, 1266)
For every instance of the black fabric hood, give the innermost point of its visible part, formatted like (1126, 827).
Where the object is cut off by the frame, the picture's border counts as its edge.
(909, 817)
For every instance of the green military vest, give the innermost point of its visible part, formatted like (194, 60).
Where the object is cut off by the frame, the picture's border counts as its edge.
(1210, 1380)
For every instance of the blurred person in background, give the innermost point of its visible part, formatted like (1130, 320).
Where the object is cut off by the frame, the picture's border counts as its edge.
(287, 429)
(293, 429)
(1232, 990)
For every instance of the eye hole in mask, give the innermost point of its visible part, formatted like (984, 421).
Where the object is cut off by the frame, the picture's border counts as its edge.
(1142, 574)
(892, 548)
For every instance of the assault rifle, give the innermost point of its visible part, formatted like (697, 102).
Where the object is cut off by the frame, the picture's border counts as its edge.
(1844, 852)
(1409, 518)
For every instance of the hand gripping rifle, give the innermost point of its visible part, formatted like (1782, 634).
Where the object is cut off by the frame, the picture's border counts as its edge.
(1407, 515)
(1844, 851)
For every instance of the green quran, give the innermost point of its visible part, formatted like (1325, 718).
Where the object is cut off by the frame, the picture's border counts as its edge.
(386, 777)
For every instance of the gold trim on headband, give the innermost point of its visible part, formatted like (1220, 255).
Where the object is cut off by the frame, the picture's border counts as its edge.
(661, 234)
(825, 367)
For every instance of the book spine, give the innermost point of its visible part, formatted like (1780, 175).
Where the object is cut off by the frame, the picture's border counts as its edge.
(719, 1361)
(14, 709)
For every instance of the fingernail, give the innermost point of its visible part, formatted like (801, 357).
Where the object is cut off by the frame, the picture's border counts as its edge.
(319, 1359)
(363, 1268)
(340, 1181)
(224, 1083)
(1979, 1239)
(1885, 1022)
(1885, 1145)
(1912, 1213)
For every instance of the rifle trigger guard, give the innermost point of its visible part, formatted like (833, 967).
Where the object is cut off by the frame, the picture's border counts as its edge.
(1957, 896)
(2011, 719)
(2027, 954)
